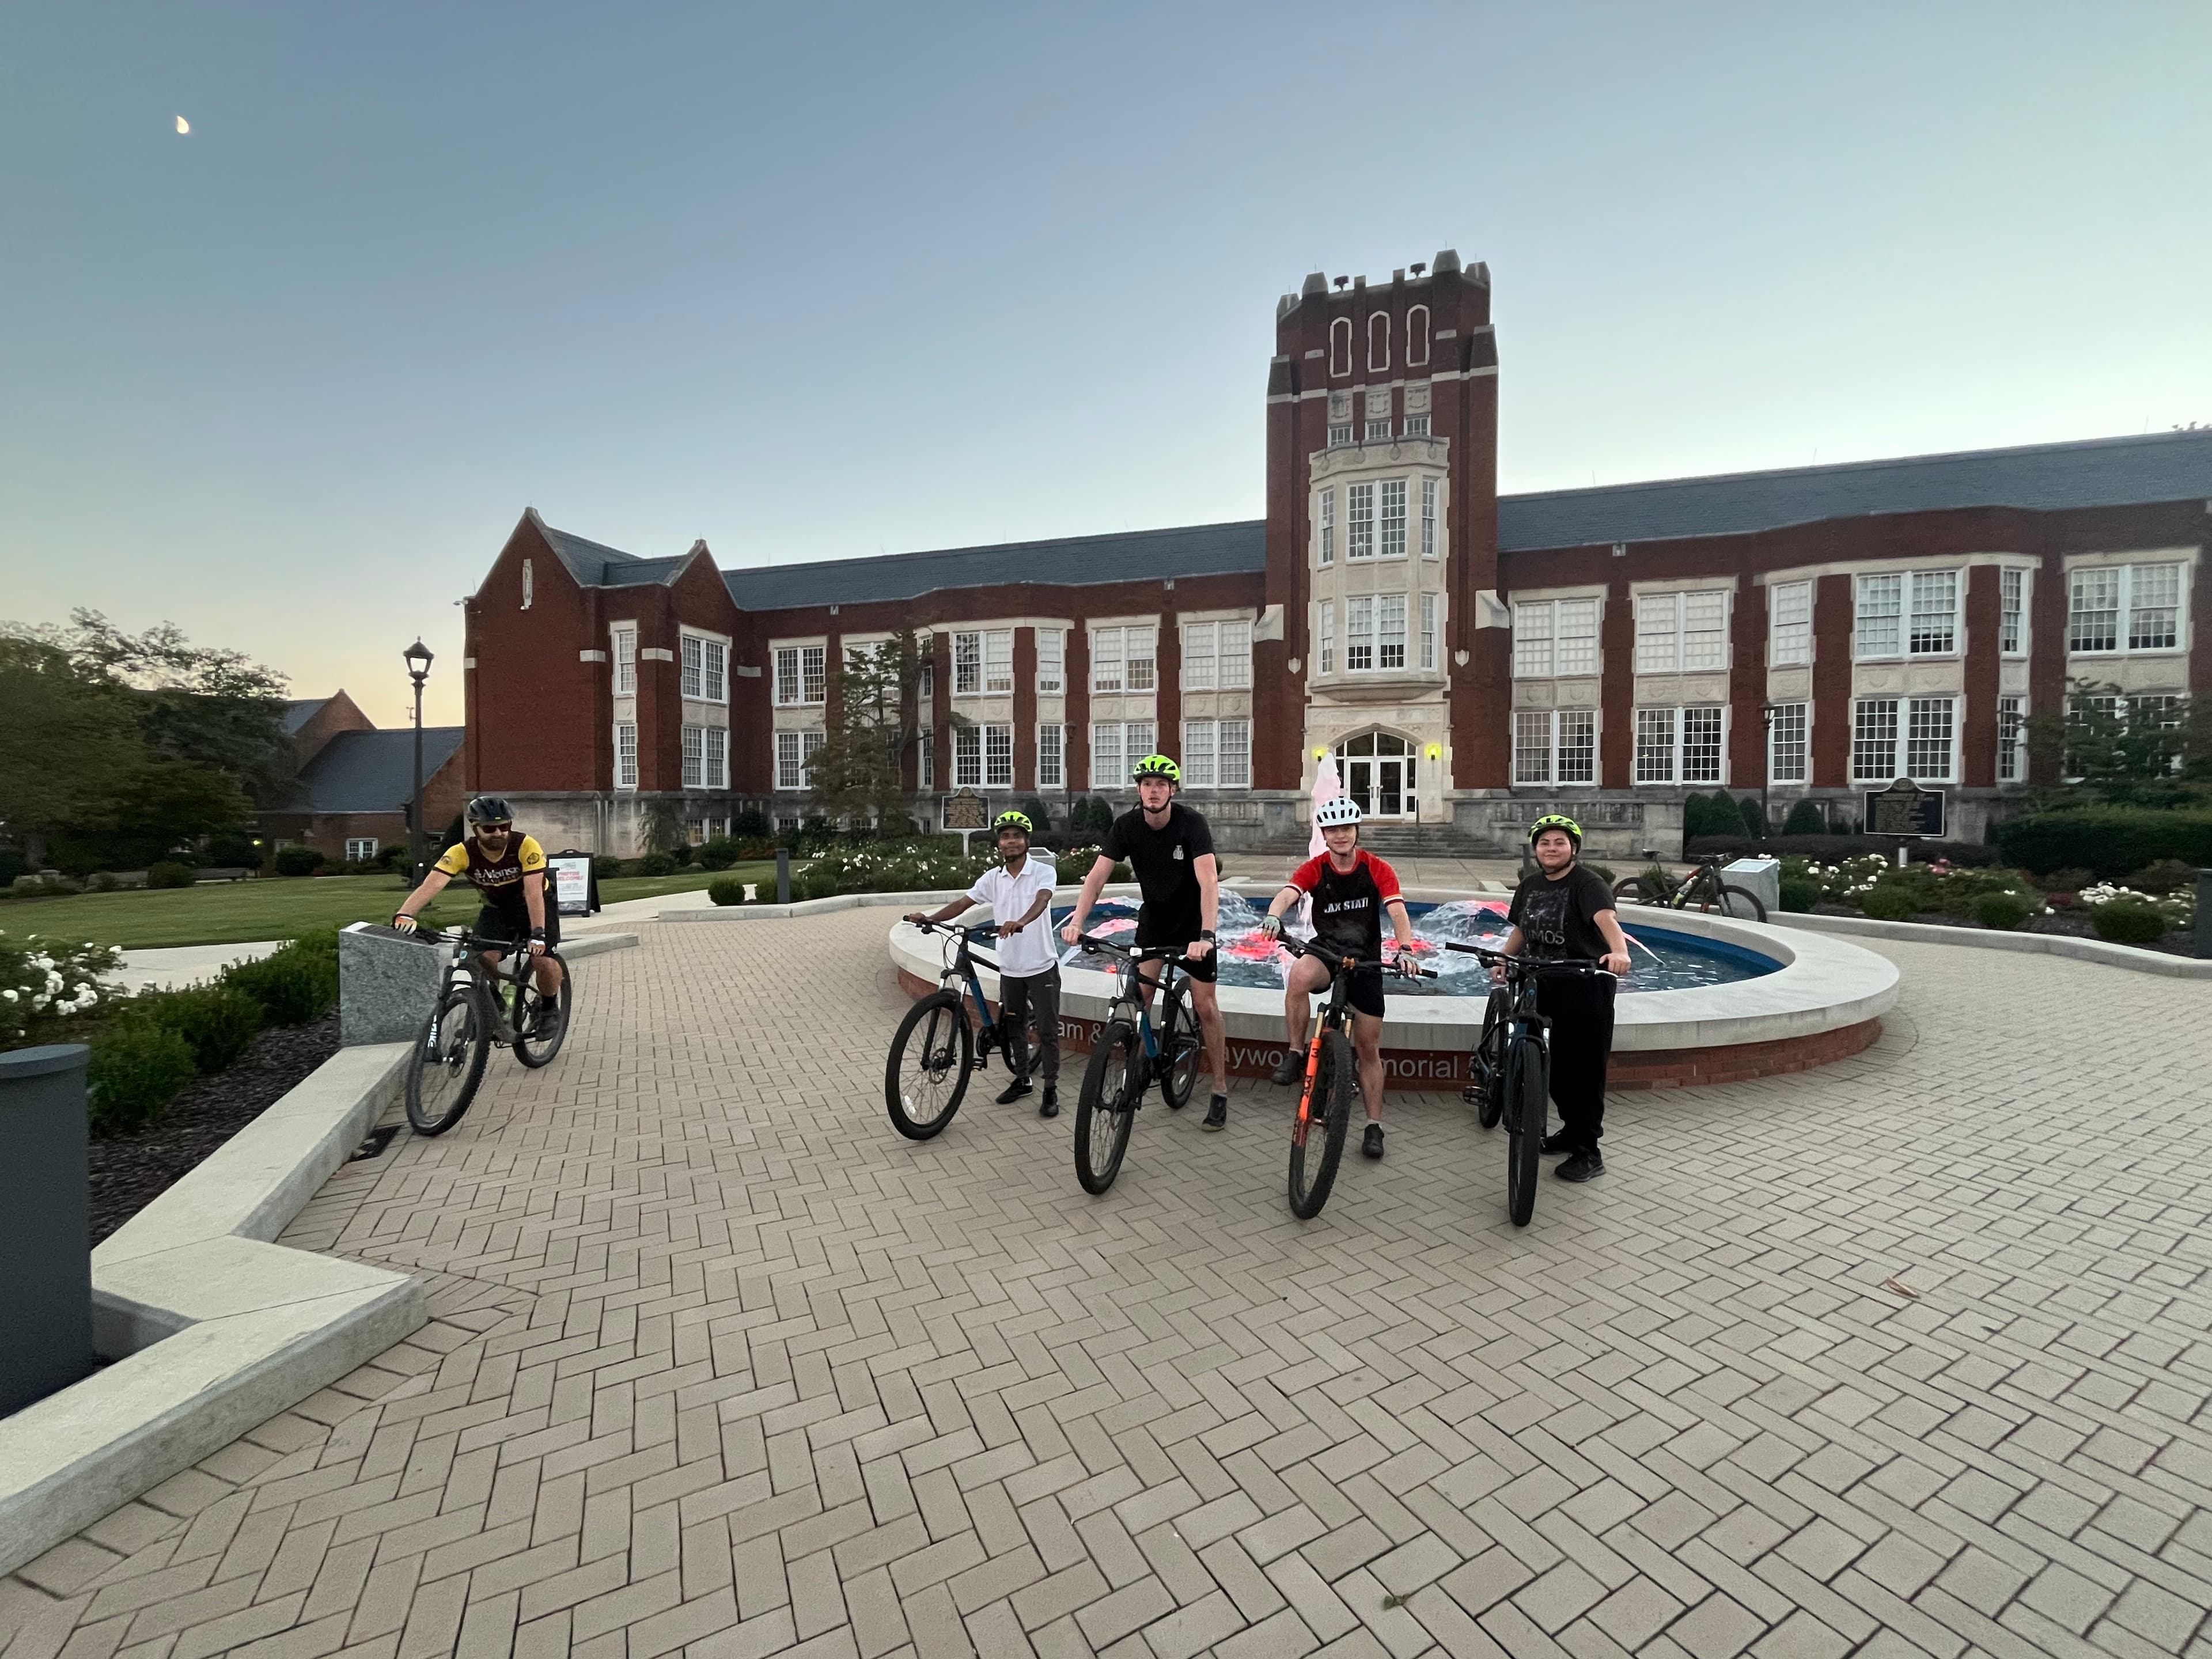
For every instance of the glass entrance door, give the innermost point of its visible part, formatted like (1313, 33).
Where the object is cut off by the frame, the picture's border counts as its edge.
(1378, 774)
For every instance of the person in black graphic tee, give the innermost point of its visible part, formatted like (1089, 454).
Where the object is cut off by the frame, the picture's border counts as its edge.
(1566, 912)
(1350, 888)
(1171, 850)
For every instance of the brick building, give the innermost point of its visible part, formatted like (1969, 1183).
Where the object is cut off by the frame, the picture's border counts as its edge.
(356, 783)
(1471, 660)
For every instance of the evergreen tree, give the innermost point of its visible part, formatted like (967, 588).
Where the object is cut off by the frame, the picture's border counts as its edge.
(861, 770)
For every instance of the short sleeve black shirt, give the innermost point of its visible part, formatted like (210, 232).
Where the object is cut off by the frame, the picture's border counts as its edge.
(1166, 863)
(1559, 918)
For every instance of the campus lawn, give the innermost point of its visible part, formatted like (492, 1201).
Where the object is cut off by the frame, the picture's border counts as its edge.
(278, 907)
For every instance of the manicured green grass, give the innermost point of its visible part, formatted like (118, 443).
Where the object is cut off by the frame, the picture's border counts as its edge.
(279, 906)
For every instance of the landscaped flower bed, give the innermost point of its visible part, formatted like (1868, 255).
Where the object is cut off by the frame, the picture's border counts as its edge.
(2156, 911)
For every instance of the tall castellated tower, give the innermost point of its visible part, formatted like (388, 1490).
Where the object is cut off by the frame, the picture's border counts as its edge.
(1383, 541)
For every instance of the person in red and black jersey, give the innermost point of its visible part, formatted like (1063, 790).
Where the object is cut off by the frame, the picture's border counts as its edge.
(1350, 889)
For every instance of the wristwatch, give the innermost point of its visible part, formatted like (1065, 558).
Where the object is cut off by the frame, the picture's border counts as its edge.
(1207, 934)
(537, 933)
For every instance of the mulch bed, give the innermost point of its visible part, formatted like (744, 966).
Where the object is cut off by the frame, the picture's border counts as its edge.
(129, 1172)
(2068, 924)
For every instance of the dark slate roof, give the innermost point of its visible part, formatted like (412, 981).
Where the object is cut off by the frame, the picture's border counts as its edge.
(374, 771)
(298, 712)
(1205, 550)
(592, 563)
(2165, 466)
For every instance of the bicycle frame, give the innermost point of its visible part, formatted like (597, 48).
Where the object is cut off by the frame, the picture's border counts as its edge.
(962, 968)
(1129, 970)
(468, 952)
(1331, 1018)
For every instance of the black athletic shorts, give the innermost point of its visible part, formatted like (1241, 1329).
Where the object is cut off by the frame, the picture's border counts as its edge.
(1204, 972)
(1365, 996)
(495, 926)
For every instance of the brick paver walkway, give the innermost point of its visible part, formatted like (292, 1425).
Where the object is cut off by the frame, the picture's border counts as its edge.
(1907, 1355)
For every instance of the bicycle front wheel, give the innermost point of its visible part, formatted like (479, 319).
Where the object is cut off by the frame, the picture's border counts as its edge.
(1732, 901)
(1490, 1070)
(930, 1060)
(1107, 1107)
(448, 1061)
(532, 1046)
(1324, 1115)
(1182, 1055)
(1640, 890)
(1528, 1092)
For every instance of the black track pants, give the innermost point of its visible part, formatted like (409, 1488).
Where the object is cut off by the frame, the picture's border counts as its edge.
(1581, 1012)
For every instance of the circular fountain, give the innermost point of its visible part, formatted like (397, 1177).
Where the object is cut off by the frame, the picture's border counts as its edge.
(1709, 999)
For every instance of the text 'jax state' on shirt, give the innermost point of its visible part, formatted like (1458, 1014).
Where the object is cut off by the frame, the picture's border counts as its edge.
(499, 879)
(1347, 904)
(1559, 918)
(1010, 894)
(1166, 863)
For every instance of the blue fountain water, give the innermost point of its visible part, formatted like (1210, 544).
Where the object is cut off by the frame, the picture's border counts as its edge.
(1667, 961)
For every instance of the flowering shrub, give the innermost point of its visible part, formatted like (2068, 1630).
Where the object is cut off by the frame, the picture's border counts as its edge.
(1839, 883)
(2176, 909)
(43, 981)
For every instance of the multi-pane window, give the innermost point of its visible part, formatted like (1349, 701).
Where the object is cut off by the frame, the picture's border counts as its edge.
(1556, 636)
(925, 760)
(625, 755)
(2012, 611)
(790, 760)
(1340, 435)
(1052, 756)
(998, 756)
(1555, 747)
(967, 665)
(704, 662)
(1428, 509)
(1233, 752)
(625, 644)
(1217, 656)
(1678, 745)
(360, 849)
(1394, 518)
(1417, 426)
(1359, 633)
(695, 757)
(998, 660)
(1122, 658)
(1360, 522)
(802, 675)
(1904, 737)
(1052, 661)
(1789, 624)
(1911, 613)
(707, 756)
(1197, 757)
(1378, 432)
(1115, 747)
(2125, 607)
(1786, 751)
(1428, 631)
(718, 757)
(1681, 632)
(1216, 754)
(2012, 739)
(1325, 637)
(1391, 652)
(1328, 526)
(967, 757)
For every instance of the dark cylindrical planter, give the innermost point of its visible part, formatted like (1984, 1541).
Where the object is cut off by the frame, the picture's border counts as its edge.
(46, 1292)
(783, 875)
(2203, 946)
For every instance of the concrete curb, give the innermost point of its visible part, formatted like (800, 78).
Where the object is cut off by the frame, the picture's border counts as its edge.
(212, 1328)
(855, 901)
(1982, 938)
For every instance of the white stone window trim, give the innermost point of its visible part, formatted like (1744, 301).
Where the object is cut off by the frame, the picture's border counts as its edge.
(797, 649)
(1554, 721)
(1902, 712)
(2126, 606)
(1910, 586)
(622, 648)
(1679, 726)
(712, 678)
(1775, 731)
(2023, 614)
(1775, 593)
(625, 777)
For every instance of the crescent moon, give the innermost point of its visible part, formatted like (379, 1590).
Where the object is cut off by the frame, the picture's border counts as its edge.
(183, 126)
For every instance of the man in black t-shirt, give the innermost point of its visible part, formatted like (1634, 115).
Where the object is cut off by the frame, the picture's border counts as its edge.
(1564, 912)
(1171, 850)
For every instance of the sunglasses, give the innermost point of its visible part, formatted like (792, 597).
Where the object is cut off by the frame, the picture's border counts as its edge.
(494, 829)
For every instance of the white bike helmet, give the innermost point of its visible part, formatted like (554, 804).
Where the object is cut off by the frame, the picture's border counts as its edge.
(1331, 814)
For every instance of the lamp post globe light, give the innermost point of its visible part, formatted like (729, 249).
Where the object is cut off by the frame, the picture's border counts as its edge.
(417, 657)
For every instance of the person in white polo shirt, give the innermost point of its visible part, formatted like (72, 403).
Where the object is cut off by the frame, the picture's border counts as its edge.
(1019, 893)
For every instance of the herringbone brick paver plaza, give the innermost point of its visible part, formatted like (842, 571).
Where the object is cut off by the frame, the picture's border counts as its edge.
(1906, 1355)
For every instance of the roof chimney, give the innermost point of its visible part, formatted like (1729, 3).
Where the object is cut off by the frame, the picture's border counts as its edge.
(1316, 283)
(1447, 262)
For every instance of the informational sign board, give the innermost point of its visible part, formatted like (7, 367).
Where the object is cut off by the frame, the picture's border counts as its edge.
(966, 810)
(571, 883)
(1905, 809)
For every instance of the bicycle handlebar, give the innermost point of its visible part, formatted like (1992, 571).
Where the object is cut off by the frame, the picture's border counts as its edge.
(1096, 945)
(1581, 966)
(966, 934)
(1344, 964)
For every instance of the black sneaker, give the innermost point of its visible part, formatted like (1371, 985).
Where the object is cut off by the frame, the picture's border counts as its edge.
(1288, 1069)
(1050, 1108)
(1372, 1144)
(1584, 1165)
(1560, 1142)
(1013, 1091)
(1217, 1113)
(548, 1023)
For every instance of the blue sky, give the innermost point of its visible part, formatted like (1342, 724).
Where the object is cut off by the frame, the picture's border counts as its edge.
(815, 281)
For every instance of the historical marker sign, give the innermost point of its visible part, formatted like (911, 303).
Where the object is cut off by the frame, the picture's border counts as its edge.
(966, 810)
(1905, 809)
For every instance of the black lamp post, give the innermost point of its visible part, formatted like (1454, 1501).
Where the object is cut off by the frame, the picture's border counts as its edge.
(1766, 773)
(418, 658)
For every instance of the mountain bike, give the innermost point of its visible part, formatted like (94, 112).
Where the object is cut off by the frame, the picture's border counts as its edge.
(1130, 1055)
(1332, 1079)
(480, 1006)
(936, 1048)
(1512, 1067)
(1703, 889)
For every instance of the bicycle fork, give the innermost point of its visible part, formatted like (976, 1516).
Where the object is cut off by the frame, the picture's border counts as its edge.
(1305, 1090)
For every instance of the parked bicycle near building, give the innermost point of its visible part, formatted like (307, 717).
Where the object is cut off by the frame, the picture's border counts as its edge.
(1705, 888)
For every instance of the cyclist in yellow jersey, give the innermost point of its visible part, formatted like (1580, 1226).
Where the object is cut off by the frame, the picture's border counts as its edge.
(509, 872)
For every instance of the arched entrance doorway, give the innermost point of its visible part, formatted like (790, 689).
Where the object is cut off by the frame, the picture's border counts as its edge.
(1377, 769)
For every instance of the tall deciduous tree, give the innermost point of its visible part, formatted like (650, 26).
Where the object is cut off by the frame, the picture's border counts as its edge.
(68, 747)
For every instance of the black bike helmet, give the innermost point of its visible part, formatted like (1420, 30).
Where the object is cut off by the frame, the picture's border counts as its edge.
(490, 809)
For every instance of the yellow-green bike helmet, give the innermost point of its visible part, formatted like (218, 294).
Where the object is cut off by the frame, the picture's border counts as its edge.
(1556, 821)
(1157, 766)
(1013, 821)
